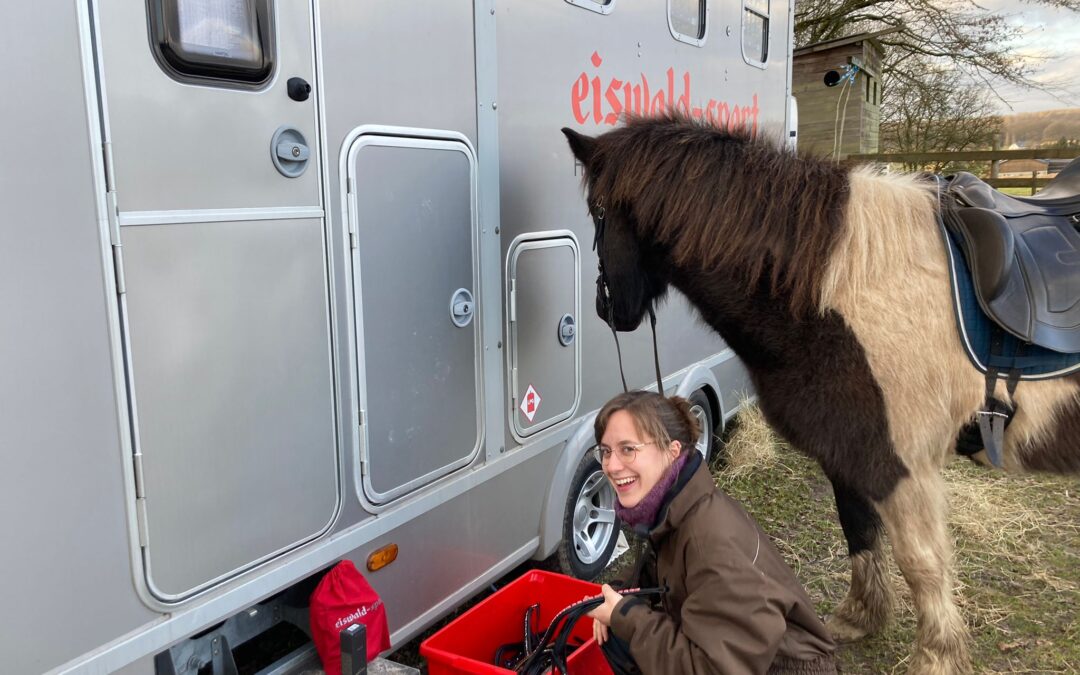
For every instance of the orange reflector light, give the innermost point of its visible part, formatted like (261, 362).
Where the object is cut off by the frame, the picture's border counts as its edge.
(382, 557)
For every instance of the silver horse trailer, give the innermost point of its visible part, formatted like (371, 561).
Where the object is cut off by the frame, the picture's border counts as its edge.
(285, 282)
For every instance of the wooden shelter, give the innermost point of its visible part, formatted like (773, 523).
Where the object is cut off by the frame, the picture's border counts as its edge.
(838, 88)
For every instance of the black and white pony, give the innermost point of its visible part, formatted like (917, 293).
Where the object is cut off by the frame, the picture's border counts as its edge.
(833, 288)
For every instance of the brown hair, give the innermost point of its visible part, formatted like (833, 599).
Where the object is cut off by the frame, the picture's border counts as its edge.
(657, 417)
(723, 199)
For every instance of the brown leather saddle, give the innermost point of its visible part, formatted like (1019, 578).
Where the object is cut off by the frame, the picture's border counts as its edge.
(1023, 254)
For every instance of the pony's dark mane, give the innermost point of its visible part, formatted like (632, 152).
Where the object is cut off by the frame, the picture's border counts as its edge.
(722, 198)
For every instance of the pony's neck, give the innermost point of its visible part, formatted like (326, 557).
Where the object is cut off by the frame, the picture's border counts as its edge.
(756, 209)
(754, 322)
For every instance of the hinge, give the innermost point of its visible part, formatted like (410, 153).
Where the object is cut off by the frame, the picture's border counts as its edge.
(140, 499)
(139, 483)
(350, 188)
(114, 218)
(361, 418)
(514, 385)
(118, 269)
(110, 195)
(513, 300)
(113, 214)
(140, 517)
(110, 179)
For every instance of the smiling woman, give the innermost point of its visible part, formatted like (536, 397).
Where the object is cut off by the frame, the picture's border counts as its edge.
(730, 603)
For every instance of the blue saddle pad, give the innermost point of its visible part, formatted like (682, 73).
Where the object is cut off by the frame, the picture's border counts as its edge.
(976, 329)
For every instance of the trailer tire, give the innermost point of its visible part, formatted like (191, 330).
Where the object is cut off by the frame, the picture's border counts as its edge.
(701, 408)
(590, 527)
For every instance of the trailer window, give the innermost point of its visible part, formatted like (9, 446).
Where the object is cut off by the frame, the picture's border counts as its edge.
(687, 20)
(755, 31)
(217, 41)
(601, 6)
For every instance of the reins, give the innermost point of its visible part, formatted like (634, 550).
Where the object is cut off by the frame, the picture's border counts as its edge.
(551, 648)
(599, 214)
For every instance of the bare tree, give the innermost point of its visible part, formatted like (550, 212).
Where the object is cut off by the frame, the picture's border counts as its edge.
(938, 113)
(979, 43)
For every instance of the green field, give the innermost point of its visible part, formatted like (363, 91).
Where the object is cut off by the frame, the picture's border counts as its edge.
(1019, 192)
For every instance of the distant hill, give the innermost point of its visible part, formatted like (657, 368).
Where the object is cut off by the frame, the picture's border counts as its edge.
(1032, 130)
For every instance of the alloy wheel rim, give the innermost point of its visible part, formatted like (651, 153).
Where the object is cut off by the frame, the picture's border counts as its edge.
(594, 518)
(702, 443)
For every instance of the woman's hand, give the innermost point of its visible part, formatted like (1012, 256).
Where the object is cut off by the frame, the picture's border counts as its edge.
(599, 632)
(602, 615)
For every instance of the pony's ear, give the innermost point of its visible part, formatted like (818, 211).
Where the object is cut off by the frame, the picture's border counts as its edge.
(581, 145)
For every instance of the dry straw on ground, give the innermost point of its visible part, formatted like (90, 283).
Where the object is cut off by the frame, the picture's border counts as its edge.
(1017, 553)
(753, 447)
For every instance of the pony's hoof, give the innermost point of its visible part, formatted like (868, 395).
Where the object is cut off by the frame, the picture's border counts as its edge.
(843, 630)
(853, 620)
(952, 662)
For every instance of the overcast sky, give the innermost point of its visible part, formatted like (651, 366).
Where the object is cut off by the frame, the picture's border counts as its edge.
(1047, 32)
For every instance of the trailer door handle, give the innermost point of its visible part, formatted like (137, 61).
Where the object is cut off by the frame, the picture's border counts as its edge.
(567, 330)
(289, 151)
(461, 307)
(293, 152)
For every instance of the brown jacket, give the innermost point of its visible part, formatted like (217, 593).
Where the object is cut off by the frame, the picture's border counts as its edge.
(733, 605)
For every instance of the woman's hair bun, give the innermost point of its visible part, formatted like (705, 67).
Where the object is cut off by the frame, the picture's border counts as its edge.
(682, 406)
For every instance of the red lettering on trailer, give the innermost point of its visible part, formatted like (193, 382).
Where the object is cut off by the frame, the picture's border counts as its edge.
(591, 99)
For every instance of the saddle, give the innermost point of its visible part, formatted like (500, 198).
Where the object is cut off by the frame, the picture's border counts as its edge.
(1017, 298)
(1023, 254)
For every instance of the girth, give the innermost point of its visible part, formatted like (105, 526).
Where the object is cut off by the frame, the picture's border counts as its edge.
(1023, 255)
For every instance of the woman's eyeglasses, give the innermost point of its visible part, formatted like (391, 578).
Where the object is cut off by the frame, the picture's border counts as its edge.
(626, 452)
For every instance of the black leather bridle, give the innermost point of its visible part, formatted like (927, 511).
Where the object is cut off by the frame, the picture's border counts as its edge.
(603, 293)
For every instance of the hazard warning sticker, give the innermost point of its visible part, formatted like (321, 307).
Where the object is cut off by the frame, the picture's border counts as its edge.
(530, 403)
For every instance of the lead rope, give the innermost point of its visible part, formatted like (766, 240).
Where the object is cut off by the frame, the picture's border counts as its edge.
(618, 349)
(656, 352)
(598, 240)
(598, 244)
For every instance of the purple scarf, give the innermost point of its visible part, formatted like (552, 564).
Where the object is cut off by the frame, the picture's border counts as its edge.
(645, 512)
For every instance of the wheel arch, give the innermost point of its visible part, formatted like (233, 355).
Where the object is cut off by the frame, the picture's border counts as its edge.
(552, 513)
(700, 377)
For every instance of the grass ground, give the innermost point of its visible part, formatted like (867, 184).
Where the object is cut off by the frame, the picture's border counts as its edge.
(1017, 542)
(1019, 192)
(1017, 554)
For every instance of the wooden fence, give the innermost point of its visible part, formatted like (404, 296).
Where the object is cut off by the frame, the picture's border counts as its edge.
(993, 157)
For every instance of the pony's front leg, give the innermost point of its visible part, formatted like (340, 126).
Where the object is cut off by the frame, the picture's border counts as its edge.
(915, 519)
(869, 604)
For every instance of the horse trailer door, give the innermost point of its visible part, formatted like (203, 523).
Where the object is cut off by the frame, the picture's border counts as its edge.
(213, 161)
(412, 208)
(545, 352)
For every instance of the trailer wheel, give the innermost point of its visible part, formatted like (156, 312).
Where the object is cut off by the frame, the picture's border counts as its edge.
(701, 408)
(590, 526)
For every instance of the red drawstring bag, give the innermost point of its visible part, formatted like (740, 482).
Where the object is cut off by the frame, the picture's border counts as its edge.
(342, 598)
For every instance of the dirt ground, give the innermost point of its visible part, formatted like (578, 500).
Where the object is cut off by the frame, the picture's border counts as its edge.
(1017, 556)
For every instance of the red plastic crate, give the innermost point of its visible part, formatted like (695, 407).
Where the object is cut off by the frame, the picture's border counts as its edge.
(467, 644)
